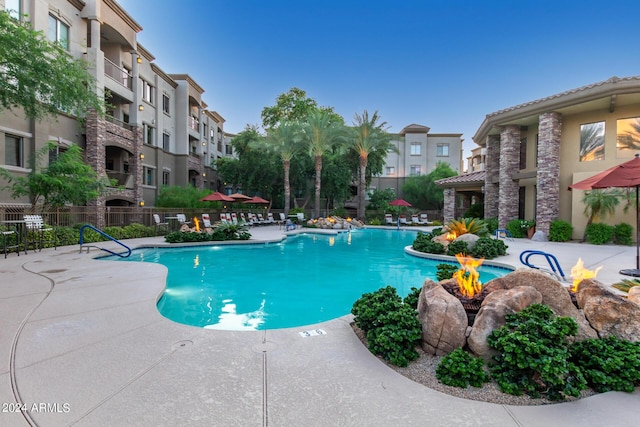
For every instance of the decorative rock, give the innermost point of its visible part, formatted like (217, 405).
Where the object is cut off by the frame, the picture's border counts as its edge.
(492, 314)
(539, 236)
(443, 320)
(554, 295)
(335, 223)
(608, 313)
(634, 294)
(471, 239)
(442, 239)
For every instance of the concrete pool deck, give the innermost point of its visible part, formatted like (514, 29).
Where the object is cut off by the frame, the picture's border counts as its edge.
(81, 343)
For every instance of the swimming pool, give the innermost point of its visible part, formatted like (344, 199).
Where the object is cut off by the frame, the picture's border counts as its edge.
(306, 279)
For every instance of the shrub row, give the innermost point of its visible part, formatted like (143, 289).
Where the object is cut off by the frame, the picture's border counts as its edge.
(598, 233)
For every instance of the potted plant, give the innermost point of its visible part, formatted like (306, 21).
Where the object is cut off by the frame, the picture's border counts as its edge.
(528, 226)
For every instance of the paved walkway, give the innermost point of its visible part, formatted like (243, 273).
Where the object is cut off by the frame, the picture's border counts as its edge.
(81, 343)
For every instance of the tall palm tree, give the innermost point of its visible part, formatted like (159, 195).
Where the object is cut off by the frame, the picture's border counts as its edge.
(321, 133)
(367, 136)
(600, 203)
(285, 140)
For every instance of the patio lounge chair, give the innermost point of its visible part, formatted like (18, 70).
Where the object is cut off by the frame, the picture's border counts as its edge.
(270, 218)
(223, 218)
(283, 219)
(206, 221)
(234, 218)
(424, 220)
(388, 219)
(261, 220)
(38, 233)
(243, 219)
(403, 219)
(158, 222)
(415, 220)
(300, 217)
(182, 219)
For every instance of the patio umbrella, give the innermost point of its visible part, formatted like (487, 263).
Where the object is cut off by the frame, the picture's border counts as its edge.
(257, 200)
(239, 197)
(625, 175)
(217, 197)
(399, 202)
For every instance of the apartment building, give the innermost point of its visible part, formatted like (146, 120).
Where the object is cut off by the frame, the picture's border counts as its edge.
(158, 130)
(418, 152)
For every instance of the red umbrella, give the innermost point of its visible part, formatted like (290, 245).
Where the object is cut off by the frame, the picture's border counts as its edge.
(399, 202)
(217, 197)
(257, 200)
(626, 175)
(237, 197)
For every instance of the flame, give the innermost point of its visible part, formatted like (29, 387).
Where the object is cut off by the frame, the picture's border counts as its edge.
(578, 273)
(332, 241)
(467, 276)
(451, 236)
(197, 223)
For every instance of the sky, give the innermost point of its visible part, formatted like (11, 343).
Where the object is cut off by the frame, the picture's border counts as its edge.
(444, 64)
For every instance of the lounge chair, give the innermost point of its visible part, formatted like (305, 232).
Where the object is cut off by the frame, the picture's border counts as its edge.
(228, 218)
(243, 219)
(424, 220)
(182, 219)
(270, 218)
(300, 217)
(223, 218)
(261, 219)
(38, 233)
(234, 218)
(283, 219)
(403, 219)
(388, 219)
(206, 221)
(159, 223)
(415, 220)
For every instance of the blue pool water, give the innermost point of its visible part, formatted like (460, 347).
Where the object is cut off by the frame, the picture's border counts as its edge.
(305, 279)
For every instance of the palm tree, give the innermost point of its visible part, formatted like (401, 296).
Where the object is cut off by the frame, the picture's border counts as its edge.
(285, 140)
(321, 133)
(600, 203)
(367, 136)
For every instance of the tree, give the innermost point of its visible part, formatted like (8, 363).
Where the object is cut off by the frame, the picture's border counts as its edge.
(321, 134)
(422, 192)
(41, 77)
(600, 203)
(67, 180)
(285, 141)
(366, 137)
(292, 106)
(380, 198)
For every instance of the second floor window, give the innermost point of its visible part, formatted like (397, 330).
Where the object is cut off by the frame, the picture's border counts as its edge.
(442, 150)
(390, 170)
(149, 175)
(415, 148)
(147, 92)
(166, 142)
(148, 134)
(165, 104)
(166, 177)
(13, 151)
(13, 7)
(58, 31)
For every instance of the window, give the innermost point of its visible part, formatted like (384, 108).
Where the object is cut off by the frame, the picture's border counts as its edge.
(523, 153)
(228, 150)
(58, 31)
(165, 104)
(165, 177)
(13, 7)
(148, 134)
(416, 170)
(55, 153)
(166, 142)
(591, 142)
(442, 150)
(13, 151)
(149, 175)
(415, 148)
(147, 91)
(390, 170)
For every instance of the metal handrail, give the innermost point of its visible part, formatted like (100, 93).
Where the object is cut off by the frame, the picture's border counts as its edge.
(122, 255)
(552, 260)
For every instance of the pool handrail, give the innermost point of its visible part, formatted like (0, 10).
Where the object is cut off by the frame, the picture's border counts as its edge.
(121, 255)
(552, 260)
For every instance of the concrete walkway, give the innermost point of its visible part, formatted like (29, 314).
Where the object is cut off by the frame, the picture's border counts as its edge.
(81, 343)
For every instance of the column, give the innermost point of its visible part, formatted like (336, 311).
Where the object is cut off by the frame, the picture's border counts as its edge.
(548, 185)
(508, 195)
(492, 173)
(449, 210)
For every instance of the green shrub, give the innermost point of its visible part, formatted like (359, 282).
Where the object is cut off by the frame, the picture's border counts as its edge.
(608, 364)
(626, 284)
(518, 227)
(488, 248)
(457, 247)
(444, 271)
(136, 231)
(221, 233)
(369, 309)
(397, 337)
(459, 369)
(492, 225)
(534, 355)
(115, 232)
(462, 226)
(341, 212)
(412, 298)
(622, 234)
(599, 233)
(560, 231)
(67, 236)
(375, 221)
(475, 211)
(423, 243)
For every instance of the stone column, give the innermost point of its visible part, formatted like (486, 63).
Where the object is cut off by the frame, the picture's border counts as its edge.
(509, 164)
(95, 153)
(548, 185)
(492, 173)
(449, 210)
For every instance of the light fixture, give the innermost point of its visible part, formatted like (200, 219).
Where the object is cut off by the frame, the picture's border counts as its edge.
(204, 174)
(139, 60)
(203, 143)
(141, 203)
(141, 156)
(141, 107)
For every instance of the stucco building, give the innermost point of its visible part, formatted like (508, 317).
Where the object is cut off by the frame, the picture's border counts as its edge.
(531, 153)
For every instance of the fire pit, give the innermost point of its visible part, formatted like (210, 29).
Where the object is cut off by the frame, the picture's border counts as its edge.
(466, 287)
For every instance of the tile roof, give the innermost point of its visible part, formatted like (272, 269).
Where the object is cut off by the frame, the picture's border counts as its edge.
(467, 178)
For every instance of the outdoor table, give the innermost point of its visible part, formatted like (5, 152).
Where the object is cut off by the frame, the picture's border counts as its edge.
(20, 228)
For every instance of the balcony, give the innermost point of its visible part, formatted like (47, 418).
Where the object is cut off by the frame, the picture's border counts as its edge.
(194, 123)
(122, 179)
(118, 74)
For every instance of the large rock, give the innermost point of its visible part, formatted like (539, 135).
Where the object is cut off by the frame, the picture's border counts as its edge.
(634, 294)
(492, 315)
(608, 313)
(469, 238)
(554, 295)
(444, 321)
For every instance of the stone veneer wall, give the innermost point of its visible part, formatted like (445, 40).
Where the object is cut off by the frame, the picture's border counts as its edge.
(492, 173)
(195, 163)
(449, 209)
(509, 164)
(548, 185)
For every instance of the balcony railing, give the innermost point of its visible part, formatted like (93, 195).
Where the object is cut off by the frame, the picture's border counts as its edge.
(118, 122)
(120, 177)
(194, 123)
(118, 74)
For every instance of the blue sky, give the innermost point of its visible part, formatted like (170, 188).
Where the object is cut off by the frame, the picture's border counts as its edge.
(440, 63)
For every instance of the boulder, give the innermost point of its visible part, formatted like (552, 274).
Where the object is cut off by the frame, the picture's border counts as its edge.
(444, 320)
(442, 239)
(492, 315)
(539, 236)
(469, 238)
(634, 294)
(554, 295)
(608, 313)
